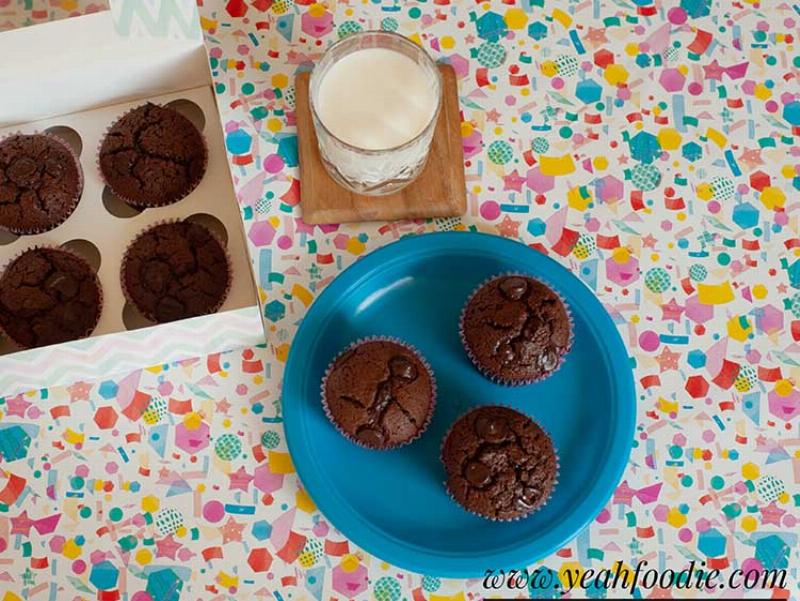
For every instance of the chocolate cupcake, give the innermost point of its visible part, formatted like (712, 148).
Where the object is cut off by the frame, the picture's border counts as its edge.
(516, 330)
(152, 156)
(176, 270)
(379, 393)
(40, 183)
(500, 464)
(48, 296)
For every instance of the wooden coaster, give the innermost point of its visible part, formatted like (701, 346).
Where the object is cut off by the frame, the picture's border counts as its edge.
(439, 191)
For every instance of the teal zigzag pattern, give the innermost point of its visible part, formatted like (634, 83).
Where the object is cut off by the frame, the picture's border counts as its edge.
(158, 18)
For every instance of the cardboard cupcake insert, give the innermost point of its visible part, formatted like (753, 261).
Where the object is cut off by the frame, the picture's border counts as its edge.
(103, 225)
(167, 71)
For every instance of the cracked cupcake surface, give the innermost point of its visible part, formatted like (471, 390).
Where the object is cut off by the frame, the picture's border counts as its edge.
(152, 156)
(516, 329)
(500, 464)
(379, 394)
(176, 270)
(48, 296)
(40, 183)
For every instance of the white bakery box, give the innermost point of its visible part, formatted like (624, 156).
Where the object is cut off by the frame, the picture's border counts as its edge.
(73, 78)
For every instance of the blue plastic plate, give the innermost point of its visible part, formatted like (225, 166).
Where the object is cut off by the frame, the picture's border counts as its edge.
(393, 503)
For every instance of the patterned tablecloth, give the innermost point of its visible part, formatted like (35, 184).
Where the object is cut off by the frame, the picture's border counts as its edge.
(651, 147)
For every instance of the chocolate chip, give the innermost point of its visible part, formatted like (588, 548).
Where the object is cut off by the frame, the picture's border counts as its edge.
(527, 497)
(513, 288)
(383, 395)
(402, 367)
(548, 360)
(505, 353)
(491, 429)
(22, 172)
(156, 275)
(64, 284)
(532, 327)
(370, 436)
(54, 167)
(477, 473)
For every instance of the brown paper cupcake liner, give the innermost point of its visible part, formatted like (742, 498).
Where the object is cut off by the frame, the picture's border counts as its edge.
(486, 517)
(100, 299)
(132, 201)
(474, 360)
(75, 201)
(123, 267)
(408, 347)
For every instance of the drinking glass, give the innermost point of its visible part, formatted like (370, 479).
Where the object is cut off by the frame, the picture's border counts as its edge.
(367, 171)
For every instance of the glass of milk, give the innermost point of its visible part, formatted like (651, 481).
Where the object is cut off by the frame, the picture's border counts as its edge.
(375, 99)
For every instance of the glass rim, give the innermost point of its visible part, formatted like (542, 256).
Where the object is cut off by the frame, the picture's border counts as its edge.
(402, 40)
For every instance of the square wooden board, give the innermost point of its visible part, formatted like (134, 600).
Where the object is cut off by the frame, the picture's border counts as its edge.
(439, 191)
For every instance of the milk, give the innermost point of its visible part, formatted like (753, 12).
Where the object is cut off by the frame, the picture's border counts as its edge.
(376, 99)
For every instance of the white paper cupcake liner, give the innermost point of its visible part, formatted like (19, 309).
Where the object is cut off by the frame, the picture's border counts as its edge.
(476, 362)
(410, 348)
(481, 515)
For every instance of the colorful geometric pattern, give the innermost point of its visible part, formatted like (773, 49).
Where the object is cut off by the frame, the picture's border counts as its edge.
(653, 150)
(24, 13)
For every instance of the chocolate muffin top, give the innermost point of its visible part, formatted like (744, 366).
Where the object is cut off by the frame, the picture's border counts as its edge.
(516, 329)
(379, 394)
(152, 156)
(500, 464)
(176, 270)
(48, 296)
(40, 183)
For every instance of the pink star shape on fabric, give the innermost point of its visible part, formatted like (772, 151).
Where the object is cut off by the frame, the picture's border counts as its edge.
(17, 405)
(79, 391)
(596, 36)
(713, 70)
(167, 547)
(231, 531)
(667, 360)
(671, 311)
(21, 524)
(513, 181)
(624, 494)
(649, 241)
(772, 514)
(223, 406)
(751, 158)
(493, 116)
(508, 227)
(240, 480)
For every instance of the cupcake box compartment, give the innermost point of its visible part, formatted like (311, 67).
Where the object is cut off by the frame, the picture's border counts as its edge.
(83, 76)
